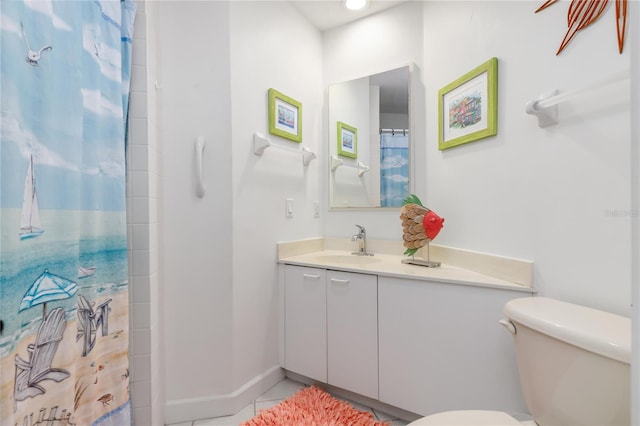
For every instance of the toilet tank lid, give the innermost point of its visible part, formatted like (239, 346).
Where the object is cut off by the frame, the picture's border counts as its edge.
(597, 331)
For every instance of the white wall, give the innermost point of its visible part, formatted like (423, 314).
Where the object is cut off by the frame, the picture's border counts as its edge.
(214, 63)
(272, 46)
(146, 340)
(394, 121)
(194, 99)
(634, 33)
(557, 195)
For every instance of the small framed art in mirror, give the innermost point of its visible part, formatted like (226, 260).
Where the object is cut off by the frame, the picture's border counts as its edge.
(347, 140)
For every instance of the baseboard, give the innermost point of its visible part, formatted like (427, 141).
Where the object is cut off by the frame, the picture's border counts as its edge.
(186, 410)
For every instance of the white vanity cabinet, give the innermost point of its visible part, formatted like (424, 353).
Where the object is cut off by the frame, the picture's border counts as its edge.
(441, 347)
(331, 327)
(424, 340)
(305, 321)
(352, 332)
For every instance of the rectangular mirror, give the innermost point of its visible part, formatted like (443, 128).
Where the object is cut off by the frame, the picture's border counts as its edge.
(369, 141)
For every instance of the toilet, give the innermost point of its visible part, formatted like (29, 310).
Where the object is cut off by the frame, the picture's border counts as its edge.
(573, 362)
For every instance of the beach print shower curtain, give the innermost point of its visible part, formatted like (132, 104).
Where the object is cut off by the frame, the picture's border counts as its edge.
(63, 247)
(394, 169)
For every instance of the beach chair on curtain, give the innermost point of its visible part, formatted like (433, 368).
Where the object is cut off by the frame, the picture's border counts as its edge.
(89, 319)
(41, 353)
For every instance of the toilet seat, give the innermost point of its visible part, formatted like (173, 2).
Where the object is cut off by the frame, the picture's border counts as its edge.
(467, 418)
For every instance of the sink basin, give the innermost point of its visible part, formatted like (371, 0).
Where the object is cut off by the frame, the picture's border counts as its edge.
(348, 259)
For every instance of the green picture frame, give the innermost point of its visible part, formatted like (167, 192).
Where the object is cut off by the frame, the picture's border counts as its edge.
(347, 140)
(468, 107)
(285, 116)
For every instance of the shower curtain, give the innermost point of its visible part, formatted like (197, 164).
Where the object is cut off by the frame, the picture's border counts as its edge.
(394, 168)
(64, 81)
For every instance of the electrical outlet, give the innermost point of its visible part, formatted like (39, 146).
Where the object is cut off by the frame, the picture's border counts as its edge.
(289, 207)
(316, 209)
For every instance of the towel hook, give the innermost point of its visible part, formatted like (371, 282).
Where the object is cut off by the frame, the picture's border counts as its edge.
(201, 189)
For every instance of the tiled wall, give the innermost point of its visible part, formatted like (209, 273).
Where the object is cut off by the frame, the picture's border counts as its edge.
(142, 224)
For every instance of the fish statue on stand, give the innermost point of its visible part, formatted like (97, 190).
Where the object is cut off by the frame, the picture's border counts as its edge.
(419, 226)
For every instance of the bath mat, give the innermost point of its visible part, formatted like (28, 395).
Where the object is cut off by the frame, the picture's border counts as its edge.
(312, 406)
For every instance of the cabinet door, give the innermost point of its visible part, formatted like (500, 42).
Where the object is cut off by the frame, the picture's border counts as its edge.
(352, 332)
(441, 348)
(306, 322)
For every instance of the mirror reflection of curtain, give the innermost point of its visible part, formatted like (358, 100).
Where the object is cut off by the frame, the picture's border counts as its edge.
(394, 168)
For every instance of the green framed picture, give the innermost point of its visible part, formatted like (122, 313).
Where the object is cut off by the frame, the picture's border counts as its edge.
(285, 116)
(347, 140)
(468, 106)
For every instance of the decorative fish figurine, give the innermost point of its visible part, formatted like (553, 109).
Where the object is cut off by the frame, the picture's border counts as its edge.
(419, 224)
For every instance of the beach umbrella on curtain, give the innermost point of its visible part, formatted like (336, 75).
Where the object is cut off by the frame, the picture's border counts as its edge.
(47, 288)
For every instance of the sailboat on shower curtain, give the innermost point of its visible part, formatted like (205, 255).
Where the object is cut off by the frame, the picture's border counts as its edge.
(30, 225)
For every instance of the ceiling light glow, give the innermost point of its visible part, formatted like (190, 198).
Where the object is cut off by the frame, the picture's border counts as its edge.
(355, 4)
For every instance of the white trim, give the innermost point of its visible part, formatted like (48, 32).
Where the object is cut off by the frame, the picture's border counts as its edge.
(185, 410)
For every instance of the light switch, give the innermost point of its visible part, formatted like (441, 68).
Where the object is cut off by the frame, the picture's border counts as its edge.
(289, 207)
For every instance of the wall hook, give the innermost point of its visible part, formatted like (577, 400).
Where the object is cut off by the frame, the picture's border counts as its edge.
(359, 166)
(546, 106)
(201, 189)
(307, 156)
(261, 143)
(335, 162)
(362, 168)
(547, 116)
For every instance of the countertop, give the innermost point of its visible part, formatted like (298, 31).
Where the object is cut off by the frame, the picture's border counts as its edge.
(389, 265)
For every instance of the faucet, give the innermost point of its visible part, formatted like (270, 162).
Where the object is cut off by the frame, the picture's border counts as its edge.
(361, 238)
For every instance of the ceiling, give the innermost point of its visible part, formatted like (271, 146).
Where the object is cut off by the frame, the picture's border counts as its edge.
(328, 14)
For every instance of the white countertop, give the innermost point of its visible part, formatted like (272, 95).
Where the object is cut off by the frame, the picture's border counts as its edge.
(389, 265)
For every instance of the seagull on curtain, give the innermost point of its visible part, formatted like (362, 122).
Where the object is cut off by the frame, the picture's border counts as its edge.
(32, 56)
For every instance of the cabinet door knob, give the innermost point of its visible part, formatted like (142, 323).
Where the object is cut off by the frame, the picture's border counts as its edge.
(315, 277)
(337, 281)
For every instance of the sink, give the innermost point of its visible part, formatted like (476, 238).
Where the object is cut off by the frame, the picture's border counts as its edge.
(348, 259)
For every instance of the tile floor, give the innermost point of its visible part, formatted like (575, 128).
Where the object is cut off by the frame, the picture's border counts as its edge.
(282, 391)
(273, 396)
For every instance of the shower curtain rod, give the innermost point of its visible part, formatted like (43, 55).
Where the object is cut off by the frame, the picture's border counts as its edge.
(395, 131)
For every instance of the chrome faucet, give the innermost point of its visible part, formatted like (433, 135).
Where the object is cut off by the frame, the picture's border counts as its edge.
(361, 238)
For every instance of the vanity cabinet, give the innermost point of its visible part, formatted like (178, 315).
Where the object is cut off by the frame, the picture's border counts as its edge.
(424, 340)
(352, 332)
(305, 323)
(331, 327)
(441, 347)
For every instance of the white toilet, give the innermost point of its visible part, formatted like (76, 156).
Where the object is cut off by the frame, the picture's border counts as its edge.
(573, 363)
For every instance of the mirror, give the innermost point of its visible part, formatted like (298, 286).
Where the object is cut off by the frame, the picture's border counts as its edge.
(369, 141)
